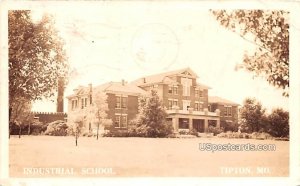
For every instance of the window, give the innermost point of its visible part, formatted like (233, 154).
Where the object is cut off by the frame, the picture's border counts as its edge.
(117, 121)
(175, 90)
(170, 104)
(186, 84)
(196, 93)
(121, 121)
(183, 123)
(209, 108)
(186, 90)
(170, 90)
(201, 107)
(124, 102)
(201, 93)
(196, 106)
(118, 103)
(227, 111)
(91, 101)
(121, 102)
(76, 103)
(85, 102)
(82, 103)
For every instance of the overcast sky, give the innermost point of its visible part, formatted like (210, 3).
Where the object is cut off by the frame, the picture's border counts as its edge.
(114, 41)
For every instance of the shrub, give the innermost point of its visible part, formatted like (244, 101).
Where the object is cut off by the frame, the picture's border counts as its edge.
(194, 132)
(183, 132)
(135, 129)
(215, 130)
(38, 128)
(57, 128)
(117, 133)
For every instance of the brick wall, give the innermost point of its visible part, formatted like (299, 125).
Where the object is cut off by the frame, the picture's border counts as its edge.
(47, 117)
(233, 117)
(131, 110)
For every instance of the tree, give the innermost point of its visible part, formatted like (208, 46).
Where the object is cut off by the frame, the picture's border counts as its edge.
(152, 117)
(97, 111)
(269, 31)
(21, 114)
(279, 123)
(252, 115)
(76, 119)
(37, 58)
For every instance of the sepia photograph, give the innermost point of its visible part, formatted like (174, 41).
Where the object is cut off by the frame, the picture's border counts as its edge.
(128, 89)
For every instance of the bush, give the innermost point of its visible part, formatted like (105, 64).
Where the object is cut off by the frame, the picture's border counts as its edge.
(57, 128)
(215, 130)
(117, 133)
(135, 129)
(38, 128)
(194, 132)
(183, 132)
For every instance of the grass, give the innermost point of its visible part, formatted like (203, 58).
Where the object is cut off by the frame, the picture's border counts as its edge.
(144, 156)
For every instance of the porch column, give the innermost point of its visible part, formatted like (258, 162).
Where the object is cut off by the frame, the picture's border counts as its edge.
(205, 120)
(190, 123)
(175, 124)
(218, 123)
(191, 118)
(205, 125)
(218, 120)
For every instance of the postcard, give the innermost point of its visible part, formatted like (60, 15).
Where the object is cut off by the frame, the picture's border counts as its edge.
(145, 90)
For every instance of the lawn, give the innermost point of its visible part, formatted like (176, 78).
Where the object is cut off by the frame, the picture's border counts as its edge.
(142, 157)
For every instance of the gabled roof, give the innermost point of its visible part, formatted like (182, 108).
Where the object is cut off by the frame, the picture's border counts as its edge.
(116, 87)
(164, 77)
(119, 87)
(203, 86)
(215, 99)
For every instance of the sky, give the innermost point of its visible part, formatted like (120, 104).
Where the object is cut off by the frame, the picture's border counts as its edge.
(114, 41)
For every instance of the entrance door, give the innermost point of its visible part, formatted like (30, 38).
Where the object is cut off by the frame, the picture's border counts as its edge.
(186, 104)
(198, 125)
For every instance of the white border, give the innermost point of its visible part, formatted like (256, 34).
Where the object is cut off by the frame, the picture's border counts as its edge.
(294, 108)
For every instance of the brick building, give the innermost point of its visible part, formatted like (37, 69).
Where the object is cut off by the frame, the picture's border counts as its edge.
(122, 99)
(187, 101)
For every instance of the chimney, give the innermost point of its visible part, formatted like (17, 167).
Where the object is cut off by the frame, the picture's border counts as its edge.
(144, 80)
(91, 87)
(123, 82)
(60, 95)
(91, 92)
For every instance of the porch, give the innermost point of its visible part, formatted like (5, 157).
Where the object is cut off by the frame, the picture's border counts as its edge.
(190, 119)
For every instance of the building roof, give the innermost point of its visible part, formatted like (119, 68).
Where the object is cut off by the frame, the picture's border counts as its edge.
(215, 99)
(201, 85)
(119, 87)
(116, 87)
(165, 77)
